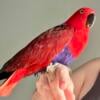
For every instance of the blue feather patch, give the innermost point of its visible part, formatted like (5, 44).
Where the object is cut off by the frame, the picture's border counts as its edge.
(64, 57)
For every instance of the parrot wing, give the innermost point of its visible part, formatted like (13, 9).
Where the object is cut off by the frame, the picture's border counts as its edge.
(41, 50)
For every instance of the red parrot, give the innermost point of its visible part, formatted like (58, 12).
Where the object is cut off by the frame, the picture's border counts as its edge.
(62, 44)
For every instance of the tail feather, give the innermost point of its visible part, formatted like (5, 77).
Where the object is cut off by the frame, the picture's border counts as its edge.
(13, 79)
(5, 75)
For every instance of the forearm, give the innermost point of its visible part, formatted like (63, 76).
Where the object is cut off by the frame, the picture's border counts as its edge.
(85, 76)
(83, 79)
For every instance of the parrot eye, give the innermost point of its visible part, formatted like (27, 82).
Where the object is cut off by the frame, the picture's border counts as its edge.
(81, 11)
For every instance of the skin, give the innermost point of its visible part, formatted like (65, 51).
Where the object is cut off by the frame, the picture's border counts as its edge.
(85, 81)
(53, 85)
(80, 78)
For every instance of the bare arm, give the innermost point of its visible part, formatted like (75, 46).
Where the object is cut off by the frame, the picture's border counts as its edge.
(84, 77)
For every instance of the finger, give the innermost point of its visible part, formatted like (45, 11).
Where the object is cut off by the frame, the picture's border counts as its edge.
(53, 80)
(64, 77)
(51, 76)
(69, 94)
(43, 88)
(54, 75)
(59, 76)
(42, 83)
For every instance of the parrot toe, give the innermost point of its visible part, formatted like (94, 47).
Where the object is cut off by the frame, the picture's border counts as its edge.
(52, 67)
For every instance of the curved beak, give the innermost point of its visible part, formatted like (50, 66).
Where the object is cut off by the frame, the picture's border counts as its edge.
(90, 20)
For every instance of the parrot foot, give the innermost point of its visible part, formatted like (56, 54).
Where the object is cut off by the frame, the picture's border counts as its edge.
(52, 67)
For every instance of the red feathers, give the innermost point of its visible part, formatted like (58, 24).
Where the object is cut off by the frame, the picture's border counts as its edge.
(36, 56)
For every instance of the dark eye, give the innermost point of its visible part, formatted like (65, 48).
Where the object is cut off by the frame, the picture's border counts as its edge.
(81, 11)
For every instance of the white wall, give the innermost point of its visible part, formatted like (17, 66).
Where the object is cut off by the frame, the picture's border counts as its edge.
(22, 20)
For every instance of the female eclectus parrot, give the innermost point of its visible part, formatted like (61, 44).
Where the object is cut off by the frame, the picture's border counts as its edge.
(62, 44)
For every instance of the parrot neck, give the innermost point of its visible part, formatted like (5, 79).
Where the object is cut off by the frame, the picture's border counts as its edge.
(75, 24)
(79, 41)
(76, 21)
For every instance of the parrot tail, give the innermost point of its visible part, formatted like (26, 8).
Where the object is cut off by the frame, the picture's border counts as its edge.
(13, 79)
(4, 75)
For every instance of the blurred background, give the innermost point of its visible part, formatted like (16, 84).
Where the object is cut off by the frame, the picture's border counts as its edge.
(23, 20)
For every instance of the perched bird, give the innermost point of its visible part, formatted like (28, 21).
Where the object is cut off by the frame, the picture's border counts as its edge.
(62, 44)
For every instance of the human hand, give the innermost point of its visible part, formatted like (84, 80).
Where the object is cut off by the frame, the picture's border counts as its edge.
(55, 85)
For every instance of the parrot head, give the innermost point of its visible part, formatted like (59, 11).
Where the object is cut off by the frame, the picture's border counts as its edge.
(81, 21)
(82, 18)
